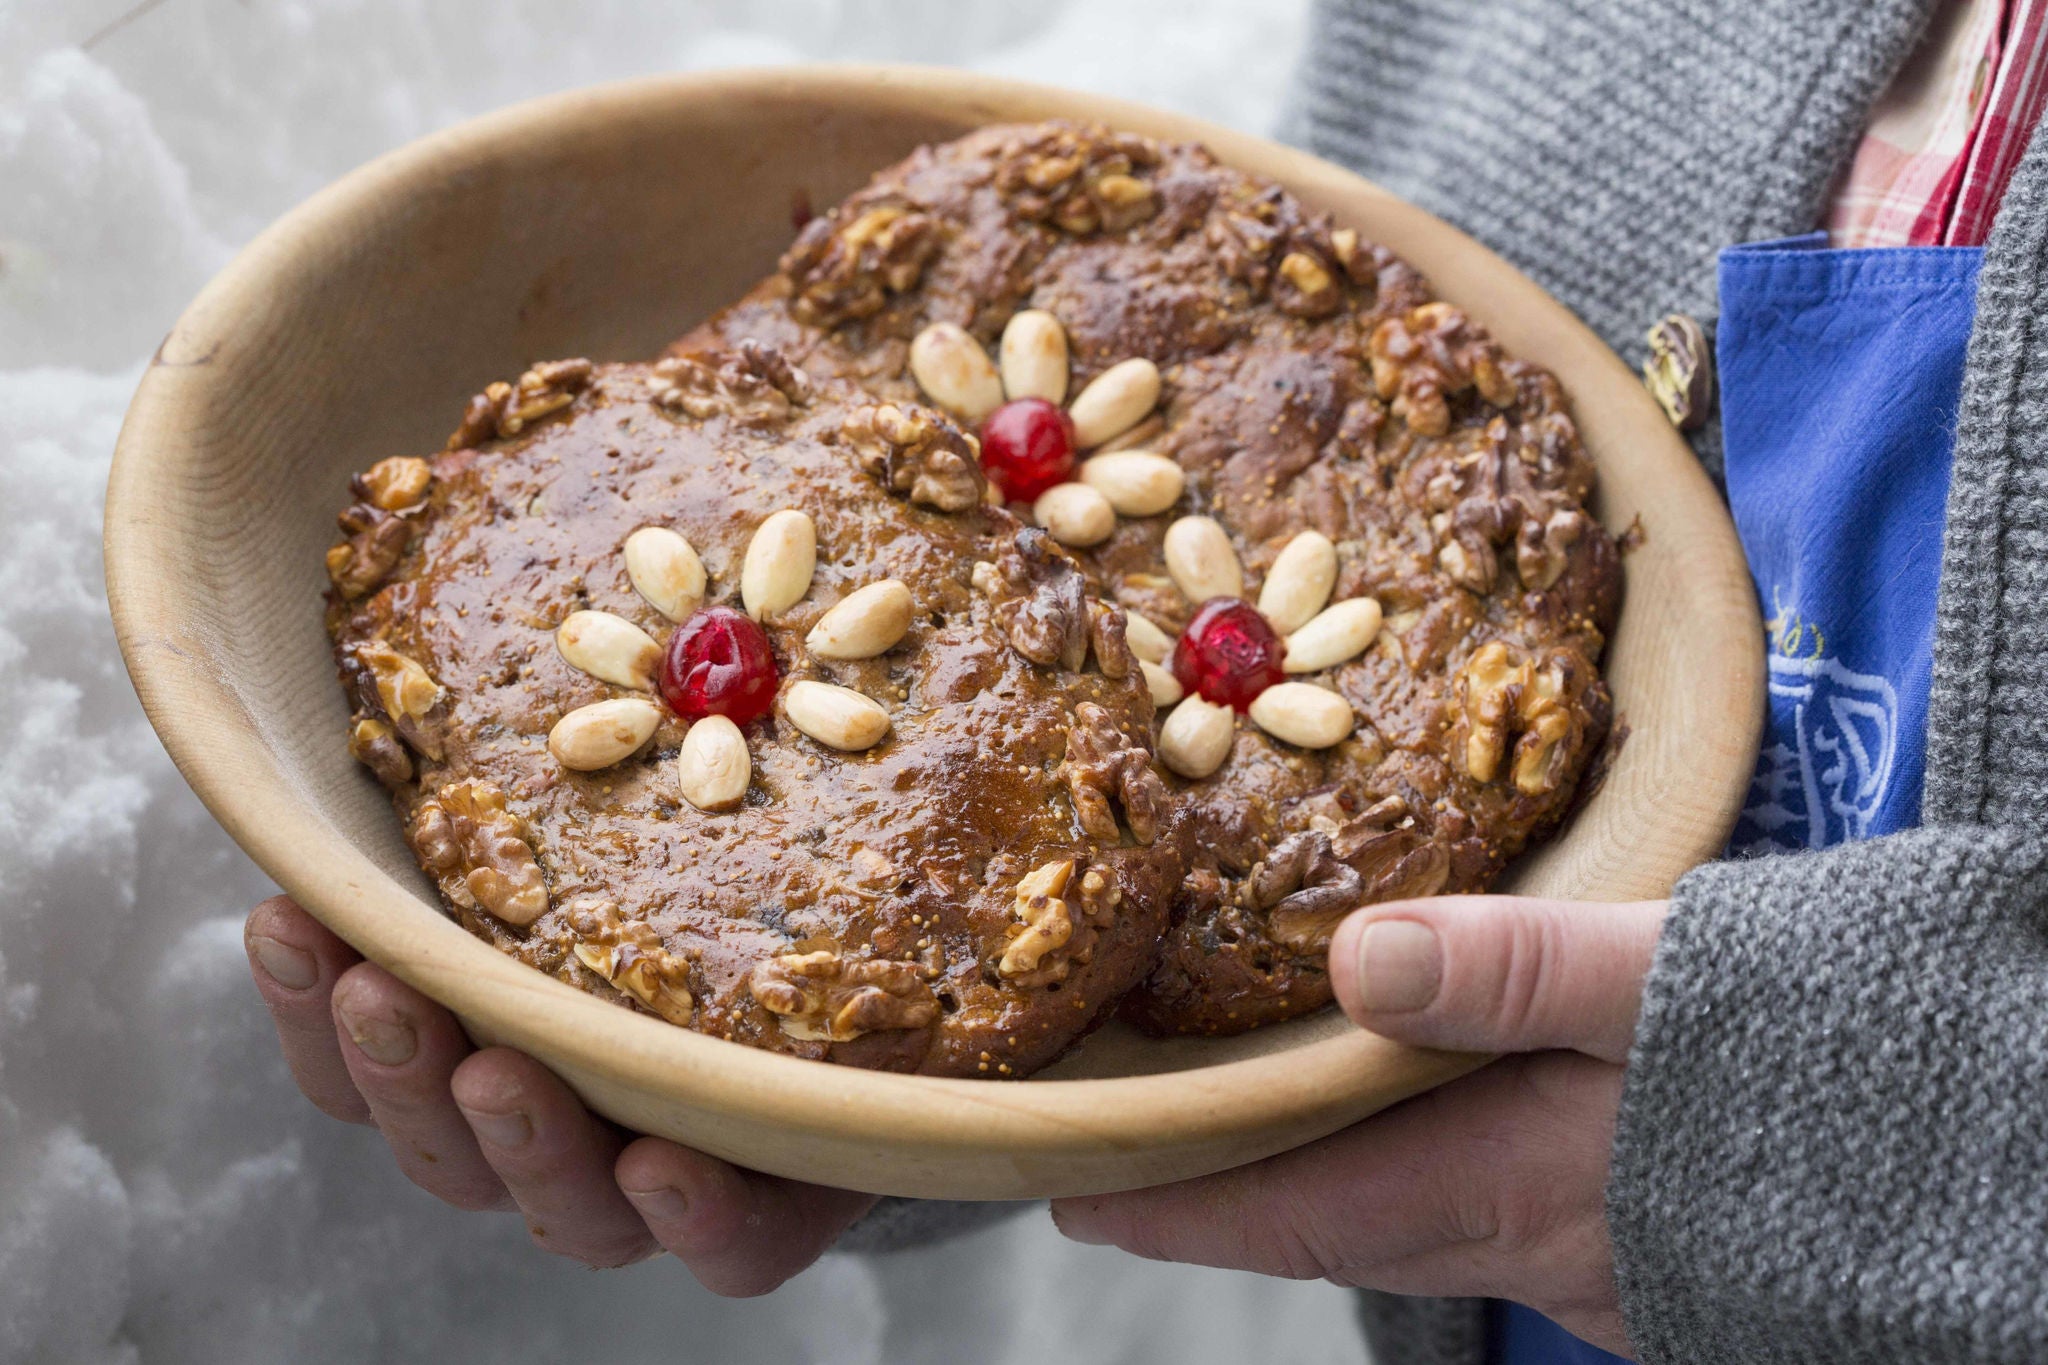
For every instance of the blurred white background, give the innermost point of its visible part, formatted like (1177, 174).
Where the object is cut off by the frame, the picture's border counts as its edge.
(165, 1195)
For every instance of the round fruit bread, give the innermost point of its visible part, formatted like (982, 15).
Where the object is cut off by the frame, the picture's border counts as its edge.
(725, 694)
(1260, 406)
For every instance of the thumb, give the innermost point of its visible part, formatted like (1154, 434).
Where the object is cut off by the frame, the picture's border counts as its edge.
(1498, 973)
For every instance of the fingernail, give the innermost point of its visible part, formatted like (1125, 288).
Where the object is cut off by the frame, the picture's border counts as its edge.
(387, 1042)
(667, 1204)
(500, 1130)
(1400, 966)
(292, 968)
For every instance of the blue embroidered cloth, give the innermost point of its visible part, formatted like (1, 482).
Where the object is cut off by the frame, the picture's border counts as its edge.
(1840, 374)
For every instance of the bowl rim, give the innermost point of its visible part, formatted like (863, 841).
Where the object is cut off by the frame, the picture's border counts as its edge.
(211, 737)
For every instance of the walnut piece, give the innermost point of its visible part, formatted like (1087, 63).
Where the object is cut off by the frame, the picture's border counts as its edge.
(384, 682)
(1080, 180)
(1543, 548)
(376, 541)
(755, 384)
(1103, 769)
(631, 956)
(1309, 881)
(826, 995)
(1044, 924)
(373, 743)
(1429, 355)
(918, 453)
(845, 265)
(1501, 695)
(504, 410)
(1047, 620)
(394, 484)
(479, 852)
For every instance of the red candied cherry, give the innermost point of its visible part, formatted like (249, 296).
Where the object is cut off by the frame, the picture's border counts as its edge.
(1228, 653)
(1027, 446)
(718, 664)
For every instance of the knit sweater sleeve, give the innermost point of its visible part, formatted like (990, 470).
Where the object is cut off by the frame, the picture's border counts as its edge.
(1845, 1054)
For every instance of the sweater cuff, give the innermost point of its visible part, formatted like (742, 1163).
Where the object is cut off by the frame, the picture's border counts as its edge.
(1826, 1150)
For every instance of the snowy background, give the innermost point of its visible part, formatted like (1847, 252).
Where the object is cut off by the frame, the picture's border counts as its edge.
(165, 1195)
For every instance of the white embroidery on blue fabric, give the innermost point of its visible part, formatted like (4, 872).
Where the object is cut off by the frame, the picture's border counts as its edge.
(1825, 785)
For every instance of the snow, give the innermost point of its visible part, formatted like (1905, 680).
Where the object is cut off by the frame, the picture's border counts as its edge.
(165, 1195)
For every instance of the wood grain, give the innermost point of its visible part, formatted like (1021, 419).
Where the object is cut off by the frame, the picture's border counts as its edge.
(603, 223)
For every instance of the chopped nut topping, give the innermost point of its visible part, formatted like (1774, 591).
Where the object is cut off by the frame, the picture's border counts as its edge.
(374, 744)
(1044, 925)
(631, 956)
(1431, 354)
(846, 264)
(755, 384)
(918, 454)
(385, 682)
(394, 484)
(480, 852)
(377, 540)
(1080, 180)
(1306, 287)
(825, 995)
(505, 410)
(1103, 767)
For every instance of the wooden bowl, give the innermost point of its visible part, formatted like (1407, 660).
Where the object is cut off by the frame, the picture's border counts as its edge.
(604, 223)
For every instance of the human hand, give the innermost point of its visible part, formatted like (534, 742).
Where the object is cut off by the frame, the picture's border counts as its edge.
(1493, 1185)
(494, 1129)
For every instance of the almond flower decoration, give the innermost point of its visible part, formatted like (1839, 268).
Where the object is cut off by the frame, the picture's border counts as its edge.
(716, 669)
(1028, 442)
(1234, 656)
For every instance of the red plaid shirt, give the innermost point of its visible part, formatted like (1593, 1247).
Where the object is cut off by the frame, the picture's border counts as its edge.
(1944, 138)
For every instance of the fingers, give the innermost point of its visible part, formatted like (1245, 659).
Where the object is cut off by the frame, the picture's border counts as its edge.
(401, 1050)
(554, 1156)
(295, 961)
(740, 1233)
(1490, 1186)
(1498, 973)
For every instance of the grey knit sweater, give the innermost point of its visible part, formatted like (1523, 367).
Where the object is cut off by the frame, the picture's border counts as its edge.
(1830, 1144)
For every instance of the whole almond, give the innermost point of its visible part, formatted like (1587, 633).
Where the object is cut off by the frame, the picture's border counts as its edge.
(1195, 738)
(1136, 482)
(1302, 713)
(1146, 640)
(714, 767)
(665, 570)
(835, 716)
(1201, 560)
(1115, 401)
(1034, 355)
(1299, 582)
(609, 648)
(866, 622)
(1339, 632)
(1075, 514)
(1166, 689)
(955, 372)
(780, 560)
(603, 733)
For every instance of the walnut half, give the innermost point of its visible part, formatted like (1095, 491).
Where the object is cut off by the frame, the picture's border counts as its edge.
(846, 264)
(1502, 696)
(827, 996)
(630, 955)
(917, 454)
(1103, 769)
(479, 852)
(504, 410)
(1429, 355)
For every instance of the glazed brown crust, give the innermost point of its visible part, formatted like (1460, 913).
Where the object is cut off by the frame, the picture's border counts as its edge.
(1310, 382)
(857, 906)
